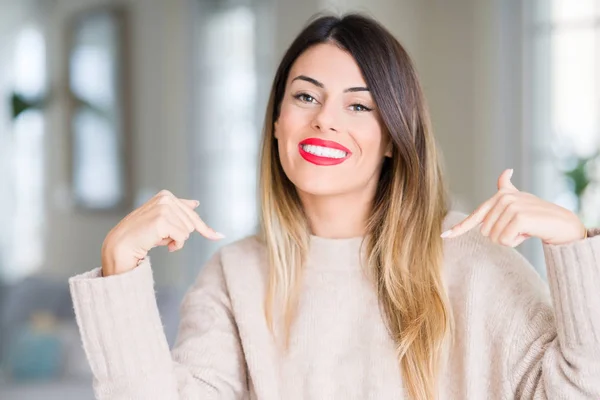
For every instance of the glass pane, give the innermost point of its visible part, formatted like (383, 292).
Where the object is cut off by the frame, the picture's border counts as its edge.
(574, 10)
(30, 63)
(227, 134)
(93, 60)
(24, 172)
(541, 11)
(96, 175)
(28, 255)
(575, 98)
(97, 110)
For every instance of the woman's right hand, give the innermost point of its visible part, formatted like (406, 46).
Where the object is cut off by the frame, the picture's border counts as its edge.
(164, 220)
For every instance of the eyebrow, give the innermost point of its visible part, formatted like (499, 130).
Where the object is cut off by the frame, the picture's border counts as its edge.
(319, 84)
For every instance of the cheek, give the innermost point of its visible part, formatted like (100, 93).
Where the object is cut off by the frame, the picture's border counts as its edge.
(369, 139)
(292, 120)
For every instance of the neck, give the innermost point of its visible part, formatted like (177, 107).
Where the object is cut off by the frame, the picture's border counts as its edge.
(338, 216)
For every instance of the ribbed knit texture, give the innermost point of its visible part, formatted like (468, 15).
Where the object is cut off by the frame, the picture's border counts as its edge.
(513, 339)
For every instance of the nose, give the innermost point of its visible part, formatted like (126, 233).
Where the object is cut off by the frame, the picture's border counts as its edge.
(326, 119)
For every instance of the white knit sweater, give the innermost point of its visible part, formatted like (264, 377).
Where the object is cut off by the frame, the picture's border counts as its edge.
(510, 341)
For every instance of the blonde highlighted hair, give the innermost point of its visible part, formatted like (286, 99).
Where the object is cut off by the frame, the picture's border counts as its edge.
(404, 248)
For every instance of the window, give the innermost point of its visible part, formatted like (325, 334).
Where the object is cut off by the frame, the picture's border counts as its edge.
(24, 246)
(229, 101)
(98, 110)
(565, 100)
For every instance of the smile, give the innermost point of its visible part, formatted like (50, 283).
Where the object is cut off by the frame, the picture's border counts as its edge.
(323, 152)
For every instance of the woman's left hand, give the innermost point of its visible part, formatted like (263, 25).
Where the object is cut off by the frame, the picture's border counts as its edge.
(511, 216)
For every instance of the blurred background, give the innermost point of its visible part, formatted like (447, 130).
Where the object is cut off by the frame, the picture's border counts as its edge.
(104, 103)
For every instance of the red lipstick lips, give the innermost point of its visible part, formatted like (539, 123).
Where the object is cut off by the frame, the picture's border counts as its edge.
(322, 160)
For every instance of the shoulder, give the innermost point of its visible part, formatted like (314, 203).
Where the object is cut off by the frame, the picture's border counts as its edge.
(237, 253)
(247, 247)
(465, 250)
(239, 262)
(242, 260)
(490, 274)
(475, 251)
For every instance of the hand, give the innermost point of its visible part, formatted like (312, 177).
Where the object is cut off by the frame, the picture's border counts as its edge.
(511, 216)
(164, 220)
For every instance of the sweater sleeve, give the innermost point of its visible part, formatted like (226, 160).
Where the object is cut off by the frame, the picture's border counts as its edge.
(126, 347)
(555, 352)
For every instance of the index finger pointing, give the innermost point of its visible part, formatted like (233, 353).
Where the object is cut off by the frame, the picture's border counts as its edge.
(471, 221)
(199, 225)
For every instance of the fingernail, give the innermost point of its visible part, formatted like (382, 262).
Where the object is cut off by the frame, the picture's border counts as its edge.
(218, 235)
(510, 174)
(197, 203)
(446, 234)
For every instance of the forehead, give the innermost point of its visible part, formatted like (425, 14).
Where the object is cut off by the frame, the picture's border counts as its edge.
(328, 64)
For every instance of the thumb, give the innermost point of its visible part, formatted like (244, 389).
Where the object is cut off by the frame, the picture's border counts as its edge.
(504, 181)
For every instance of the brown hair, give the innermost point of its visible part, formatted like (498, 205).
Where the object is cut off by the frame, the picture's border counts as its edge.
(404, 248)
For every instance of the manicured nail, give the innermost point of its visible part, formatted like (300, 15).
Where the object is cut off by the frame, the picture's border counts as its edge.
(197, 203)
(218, 235)
(510, 174)
(446, 234)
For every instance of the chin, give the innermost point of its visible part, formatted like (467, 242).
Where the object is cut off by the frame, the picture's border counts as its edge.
(321, 184)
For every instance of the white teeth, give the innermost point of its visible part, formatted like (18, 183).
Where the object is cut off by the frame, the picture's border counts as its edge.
(323, 151)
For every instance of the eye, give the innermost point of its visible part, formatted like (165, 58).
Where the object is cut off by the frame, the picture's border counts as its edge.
(306, 98)
(359, 107)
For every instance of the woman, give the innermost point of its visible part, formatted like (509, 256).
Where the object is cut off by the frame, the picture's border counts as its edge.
(352, 290)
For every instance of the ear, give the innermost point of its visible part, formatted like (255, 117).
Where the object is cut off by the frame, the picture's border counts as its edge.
(275, 124)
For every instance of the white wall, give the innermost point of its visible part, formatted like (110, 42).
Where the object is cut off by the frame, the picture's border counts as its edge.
(446, 63)
(400, 17)
(470, 58)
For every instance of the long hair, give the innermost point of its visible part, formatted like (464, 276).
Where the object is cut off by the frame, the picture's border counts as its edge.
(404, 248)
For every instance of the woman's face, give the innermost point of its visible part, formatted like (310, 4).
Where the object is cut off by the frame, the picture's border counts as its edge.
(329, 132)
